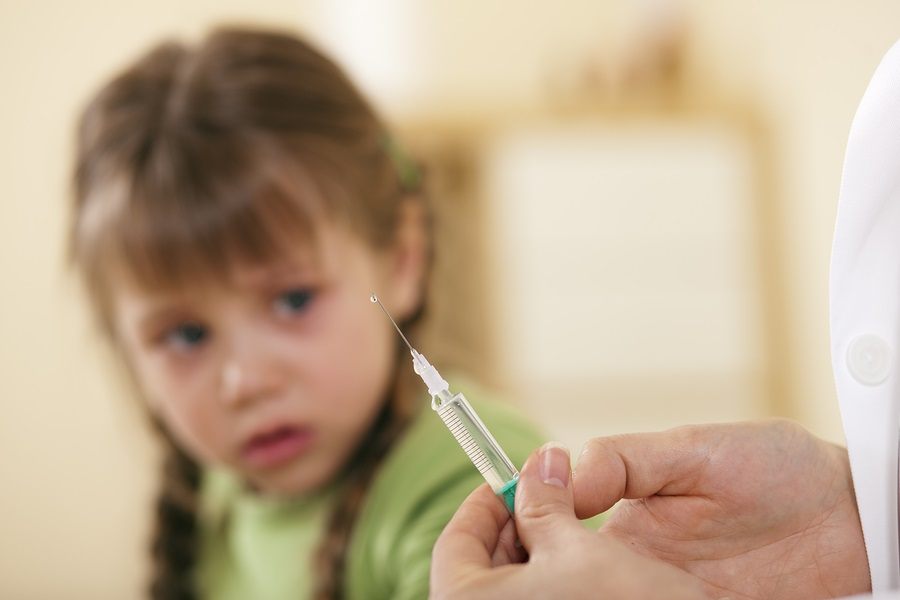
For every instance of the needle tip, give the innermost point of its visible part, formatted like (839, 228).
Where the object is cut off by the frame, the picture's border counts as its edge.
(373, 298)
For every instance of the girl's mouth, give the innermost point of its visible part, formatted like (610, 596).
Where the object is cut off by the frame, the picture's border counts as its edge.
(276, 446)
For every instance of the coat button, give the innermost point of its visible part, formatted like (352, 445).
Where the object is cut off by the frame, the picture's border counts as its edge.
(869, 359)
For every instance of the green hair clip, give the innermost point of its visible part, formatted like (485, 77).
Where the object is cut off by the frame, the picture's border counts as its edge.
(407, 171)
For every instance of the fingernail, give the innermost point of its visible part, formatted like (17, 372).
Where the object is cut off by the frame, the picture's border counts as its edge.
(555, 467)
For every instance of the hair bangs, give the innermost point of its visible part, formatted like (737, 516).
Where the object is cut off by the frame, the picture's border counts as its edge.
(164, 236)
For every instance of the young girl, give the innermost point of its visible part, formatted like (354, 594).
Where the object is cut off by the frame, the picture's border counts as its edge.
(236, 204)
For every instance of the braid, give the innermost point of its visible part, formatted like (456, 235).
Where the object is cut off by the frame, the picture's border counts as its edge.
(329, 560)
(174, 546)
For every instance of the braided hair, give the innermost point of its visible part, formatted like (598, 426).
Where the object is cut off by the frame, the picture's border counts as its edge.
(174, 544)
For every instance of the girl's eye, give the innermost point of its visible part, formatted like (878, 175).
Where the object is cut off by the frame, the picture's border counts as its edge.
(186, 336)
(293, 301)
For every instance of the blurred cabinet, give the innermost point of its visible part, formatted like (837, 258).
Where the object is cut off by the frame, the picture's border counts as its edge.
(616, 274)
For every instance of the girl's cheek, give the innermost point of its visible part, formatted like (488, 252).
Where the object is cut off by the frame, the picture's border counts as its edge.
(188, 404)
(179, 376)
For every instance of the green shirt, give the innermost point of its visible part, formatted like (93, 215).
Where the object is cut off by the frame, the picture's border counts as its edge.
(260, 548)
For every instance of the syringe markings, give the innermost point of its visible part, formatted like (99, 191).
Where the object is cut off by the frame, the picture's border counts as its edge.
(465, 440)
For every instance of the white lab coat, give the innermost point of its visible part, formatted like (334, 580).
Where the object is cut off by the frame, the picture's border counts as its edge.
(865, 315)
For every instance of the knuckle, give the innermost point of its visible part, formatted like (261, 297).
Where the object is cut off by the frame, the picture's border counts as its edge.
(540, 512)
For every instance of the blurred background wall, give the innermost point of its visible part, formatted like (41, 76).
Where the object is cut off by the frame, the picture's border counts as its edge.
(635, 198)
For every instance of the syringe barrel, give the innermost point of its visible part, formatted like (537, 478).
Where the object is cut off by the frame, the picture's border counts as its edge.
(478, 444)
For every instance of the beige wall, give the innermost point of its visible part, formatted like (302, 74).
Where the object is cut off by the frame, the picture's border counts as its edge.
(75, 464)
(807, 64)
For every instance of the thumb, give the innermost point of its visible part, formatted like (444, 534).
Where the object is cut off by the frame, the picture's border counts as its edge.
(544, 507)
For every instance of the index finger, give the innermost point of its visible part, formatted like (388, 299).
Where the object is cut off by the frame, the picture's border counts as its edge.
(470, 538)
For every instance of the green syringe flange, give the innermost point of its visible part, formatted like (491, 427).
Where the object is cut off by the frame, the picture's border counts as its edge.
(508, 494)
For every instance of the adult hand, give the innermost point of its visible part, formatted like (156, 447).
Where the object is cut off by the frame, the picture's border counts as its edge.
(755, 510)
(477, 556)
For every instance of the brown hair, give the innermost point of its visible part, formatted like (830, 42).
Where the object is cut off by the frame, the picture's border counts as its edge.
(194, 158)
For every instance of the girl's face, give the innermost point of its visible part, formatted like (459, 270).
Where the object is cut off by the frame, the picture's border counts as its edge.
(280, 374)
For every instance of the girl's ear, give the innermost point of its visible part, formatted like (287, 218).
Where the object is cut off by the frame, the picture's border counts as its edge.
(409, 258)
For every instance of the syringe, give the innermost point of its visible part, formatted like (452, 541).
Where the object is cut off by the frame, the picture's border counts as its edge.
(463, 422)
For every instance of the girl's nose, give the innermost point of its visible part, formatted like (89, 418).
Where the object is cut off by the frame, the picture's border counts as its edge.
(244, 383)
(231, 382)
